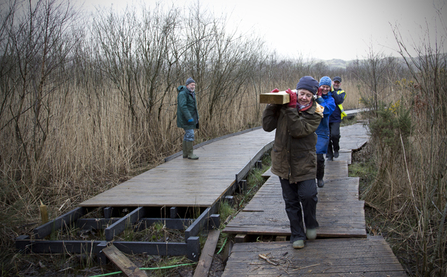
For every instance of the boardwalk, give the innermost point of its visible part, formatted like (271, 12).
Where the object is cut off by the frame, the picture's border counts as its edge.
(339, 211)
(342, 246)
(186, 183)
(341, 217)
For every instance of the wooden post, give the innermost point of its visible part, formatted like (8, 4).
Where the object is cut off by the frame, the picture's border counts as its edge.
(43, 212)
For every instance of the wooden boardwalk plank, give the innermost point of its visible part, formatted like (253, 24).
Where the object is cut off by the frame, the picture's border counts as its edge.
(207, 255)
(118, 258)
(329, 257)
(186, 183)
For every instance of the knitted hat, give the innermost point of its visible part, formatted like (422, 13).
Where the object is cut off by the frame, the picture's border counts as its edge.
(337, 79)
(309, 83)
(325, 81)
(189, 81)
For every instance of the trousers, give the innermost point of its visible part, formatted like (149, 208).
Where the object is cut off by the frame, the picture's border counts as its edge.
(334, 139)
(189, 135)
(300, 199)
(320, 166)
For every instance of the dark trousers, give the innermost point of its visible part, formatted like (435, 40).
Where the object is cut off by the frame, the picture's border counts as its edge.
(320, 166)
(302, 194)
(334, 139)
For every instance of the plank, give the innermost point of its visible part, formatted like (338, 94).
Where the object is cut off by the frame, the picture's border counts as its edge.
(329, 257)
(206, 257)
(118, 258)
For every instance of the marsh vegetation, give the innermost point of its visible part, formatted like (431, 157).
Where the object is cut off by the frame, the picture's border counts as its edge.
(85, 106)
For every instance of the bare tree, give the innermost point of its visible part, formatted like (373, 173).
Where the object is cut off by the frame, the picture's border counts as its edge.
(40, 43)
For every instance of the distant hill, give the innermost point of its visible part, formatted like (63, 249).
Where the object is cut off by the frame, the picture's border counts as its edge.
(337, 63)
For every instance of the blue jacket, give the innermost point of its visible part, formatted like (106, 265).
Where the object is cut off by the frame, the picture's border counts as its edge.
(339, 96)
(323, 129)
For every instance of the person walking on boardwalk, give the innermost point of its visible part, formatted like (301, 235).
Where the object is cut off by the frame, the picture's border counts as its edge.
(339, 96)
(188, 116)
(294, 157)
(327, 101)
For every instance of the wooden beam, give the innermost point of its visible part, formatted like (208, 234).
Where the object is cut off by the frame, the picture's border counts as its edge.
(240, 238)
(62, 221)
(119, 226)
(281, 97)
(206, 258)
(118, 258)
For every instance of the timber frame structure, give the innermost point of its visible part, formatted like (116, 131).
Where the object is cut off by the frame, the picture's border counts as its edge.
(115, 220)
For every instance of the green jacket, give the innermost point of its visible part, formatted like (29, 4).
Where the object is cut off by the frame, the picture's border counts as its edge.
(293, 153)
(186, 109)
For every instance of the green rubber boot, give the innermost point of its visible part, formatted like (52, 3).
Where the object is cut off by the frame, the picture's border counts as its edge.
(185, 150)
(190, 149)
(298, 244)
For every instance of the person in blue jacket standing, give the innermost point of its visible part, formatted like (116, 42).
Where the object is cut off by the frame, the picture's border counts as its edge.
(188, 116)
(325, 99)
(339, 96)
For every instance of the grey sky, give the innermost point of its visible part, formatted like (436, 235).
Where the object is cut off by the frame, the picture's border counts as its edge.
(323, 29)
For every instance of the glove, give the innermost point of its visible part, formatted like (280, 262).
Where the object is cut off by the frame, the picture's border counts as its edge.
(293, 98)
(275, 90)
(191, 120)
(320, 91)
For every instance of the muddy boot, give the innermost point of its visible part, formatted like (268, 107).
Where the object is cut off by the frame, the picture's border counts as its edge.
(190, 149)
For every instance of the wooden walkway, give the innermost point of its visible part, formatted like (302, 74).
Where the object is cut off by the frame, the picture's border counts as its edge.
(340, 213)
(345, 249)
(187, 183)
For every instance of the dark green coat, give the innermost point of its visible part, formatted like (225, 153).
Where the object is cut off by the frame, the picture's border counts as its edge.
(293, 153)
(186, 109)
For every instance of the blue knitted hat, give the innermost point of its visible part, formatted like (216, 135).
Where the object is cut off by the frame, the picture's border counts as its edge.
(325, 81)
(309, 83)
(189, 81)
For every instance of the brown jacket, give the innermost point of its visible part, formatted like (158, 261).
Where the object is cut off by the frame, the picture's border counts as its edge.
(293, 153)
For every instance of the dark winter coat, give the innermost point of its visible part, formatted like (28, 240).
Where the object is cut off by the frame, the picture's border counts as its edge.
(323, 129)
(293, 153)
(186, 109)
(339, 96)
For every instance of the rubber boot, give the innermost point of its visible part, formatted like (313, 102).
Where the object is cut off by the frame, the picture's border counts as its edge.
(298, 244)
(185, 151)
(311, 234)
(190, 149)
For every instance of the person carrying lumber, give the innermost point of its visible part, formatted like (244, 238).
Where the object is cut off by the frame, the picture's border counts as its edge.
(339, 96)
(294, 156)
(327, 101)
(188, 116)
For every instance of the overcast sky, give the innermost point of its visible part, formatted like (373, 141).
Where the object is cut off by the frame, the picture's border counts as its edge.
(322, 29)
